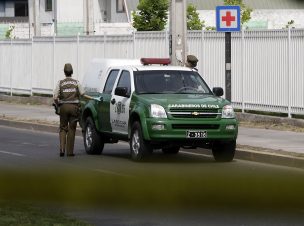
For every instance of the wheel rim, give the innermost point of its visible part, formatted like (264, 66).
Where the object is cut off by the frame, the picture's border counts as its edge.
(88, 137)
(135, 143)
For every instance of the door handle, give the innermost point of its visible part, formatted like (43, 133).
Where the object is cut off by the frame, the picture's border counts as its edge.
(113, 101)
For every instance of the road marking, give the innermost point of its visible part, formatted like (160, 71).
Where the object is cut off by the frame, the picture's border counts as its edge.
(192, 153)
(12, 153)
(112, 173)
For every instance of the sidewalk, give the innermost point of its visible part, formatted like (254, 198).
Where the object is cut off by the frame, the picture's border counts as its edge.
(262, 145)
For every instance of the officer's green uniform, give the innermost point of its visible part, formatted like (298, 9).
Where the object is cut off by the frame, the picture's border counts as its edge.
(67, 94)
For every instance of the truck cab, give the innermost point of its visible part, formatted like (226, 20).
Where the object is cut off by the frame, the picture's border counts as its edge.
(153, 105)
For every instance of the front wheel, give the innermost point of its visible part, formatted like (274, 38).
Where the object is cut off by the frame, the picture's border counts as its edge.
(138, 146)
(224, 151)
(93, 143)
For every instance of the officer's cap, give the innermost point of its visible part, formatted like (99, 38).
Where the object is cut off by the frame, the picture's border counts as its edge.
(192, 59)
(68, 69)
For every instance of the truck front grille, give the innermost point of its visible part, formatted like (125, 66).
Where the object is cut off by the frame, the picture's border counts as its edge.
(195, 126)
(194, 113)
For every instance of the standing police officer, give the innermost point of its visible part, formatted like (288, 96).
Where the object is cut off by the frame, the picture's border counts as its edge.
(66, 95)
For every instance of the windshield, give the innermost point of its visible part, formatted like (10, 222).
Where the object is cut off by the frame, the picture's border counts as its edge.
(165, 82)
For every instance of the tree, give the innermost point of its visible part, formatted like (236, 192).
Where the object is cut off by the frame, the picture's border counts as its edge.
(9, 32)
(193, 20)
(245, 10)
(152, 15)
(290, 24)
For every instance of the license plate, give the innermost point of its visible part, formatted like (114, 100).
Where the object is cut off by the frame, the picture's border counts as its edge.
(196, 134)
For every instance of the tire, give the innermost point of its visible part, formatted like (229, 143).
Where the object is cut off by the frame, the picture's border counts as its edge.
(171, 150)
(139, 148)
(93, 143)
(224, 151)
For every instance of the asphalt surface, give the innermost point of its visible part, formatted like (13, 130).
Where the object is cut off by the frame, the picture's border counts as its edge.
(262, 145)
(109, 189)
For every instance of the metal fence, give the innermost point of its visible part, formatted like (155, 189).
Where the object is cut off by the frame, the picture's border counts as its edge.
(267, 65)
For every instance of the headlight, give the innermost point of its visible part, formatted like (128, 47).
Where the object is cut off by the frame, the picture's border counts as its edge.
(228, 112)
(157, 111)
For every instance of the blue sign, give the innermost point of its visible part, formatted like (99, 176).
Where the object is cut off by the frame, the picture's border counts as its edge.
(228, 18)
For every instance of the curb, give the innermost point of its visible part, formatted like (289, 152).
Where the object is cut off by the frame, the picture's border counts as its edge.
(245, 117)
(275, 157)
(34, 126)
(270, 158)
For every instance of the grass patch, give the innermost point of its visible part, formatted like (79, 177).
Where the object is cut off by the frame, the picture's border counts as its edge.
(27, 214)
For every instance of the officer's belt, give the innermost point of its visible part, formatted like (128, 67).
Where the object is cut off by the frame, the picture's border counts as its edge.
(68, 101)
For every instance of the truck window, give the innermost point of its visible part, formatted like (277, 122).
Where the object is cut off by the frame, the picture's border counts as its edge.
(110, 81)
(165, 82)
(124, 80)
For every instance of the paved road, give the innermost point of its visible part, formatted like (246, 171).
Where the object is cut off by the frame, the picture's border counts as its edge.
(185, 189)
(272, 139)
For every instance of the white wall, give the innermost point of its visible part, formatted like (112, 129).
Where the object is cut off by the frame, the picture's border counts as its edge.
(279, 18)
(70, 10)
(268, 80)
(45, 16)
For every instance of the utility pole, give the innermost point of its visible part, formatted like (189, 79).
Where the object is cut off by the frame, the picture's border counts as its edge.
(88, 15)
(178, 32)
(31, 16)
(37, 25)
(55, 21)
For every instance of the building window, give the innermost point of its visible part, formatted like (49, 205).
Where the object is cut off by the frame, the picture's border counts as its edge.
(21, 9)
(48, 5)
(120, 6)
(2, 11)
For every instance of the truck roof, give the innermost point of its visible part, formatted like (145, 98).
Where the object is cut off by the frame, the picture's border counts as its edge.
(156, 68)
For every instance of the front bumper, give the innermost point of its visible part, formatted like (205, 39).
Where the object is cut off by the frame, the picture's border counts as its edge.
(164, 130)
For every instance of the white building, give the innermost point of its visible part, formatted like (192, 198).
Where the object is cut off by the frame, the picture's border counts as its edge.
(64, 17)
(71, 17)
(270, 14)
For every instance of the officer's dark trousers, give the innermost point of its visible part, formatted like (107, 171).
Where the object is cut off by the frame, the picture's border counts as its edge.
(68, 124)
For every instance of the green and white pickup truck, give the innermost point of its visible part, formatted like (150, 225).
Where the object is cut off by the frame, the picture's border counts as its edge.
(155, 107)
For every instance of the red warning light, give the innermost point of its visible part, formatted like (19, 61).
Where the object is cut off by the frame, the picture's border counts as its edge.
(161, 61)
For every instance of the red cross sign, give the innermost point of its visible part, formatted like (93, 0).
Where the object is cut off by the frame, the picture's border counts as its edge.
(228, 18)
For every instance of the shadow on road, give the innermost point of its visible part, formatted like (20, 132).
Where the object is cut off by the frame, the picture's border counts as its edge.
(158, 157)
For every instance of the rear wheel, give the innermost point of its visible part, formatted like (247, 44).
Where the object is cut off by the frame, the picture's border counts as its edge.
(138, 146)
(171, 150)
(224, 151)
(92, 141)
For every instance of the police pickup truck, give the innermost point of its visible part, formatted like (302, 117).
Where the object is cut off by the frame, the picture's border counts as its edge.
(155, 106)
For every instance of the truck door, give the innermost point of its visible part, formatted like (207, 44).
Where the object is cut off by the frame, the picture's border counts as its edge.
(104, 105)
(119, 106)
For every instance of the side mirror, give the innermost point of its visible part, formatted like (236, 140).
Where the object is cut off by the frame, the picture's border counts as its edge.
(121, 91)
(218, 91)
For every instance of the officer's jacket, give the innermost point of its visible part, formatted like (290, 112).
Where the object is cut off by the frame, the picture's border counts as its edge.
(68, 91)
